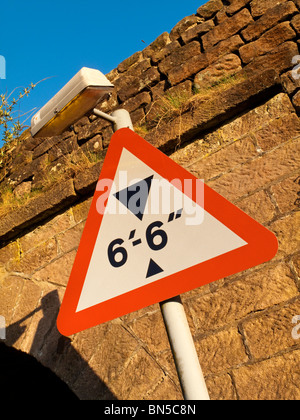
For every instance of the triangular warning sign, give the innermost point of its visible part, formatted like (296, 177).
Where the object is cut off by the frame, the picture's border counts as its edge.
(154, 231)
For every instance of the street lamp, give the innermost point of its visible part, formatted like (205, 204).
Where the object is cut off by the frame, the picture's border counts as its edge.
(81, 94)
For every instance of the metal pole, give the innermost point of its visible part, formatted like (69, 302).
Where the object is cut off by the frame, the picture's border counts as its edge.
(179, 333)
(184, 351)
(120, 118)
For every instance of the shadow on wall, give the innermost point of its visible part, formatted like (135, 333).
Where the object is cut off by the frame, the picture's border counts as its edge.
(24, 376)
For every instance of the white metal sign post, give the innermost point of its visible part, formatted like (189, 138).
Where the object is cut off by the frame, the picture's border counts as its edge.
(180, 337)
(184, 351)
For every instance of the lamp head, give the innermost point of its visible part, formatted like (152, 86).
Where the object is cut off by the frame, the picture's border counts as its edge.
(80, 95)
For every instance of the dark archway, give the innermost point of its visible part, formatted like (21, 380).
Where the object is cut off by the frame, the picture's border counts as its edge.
(23, 377)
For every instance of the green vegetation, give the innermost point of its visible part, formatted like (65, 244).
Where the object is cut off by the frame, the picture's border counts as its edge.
(10, 119)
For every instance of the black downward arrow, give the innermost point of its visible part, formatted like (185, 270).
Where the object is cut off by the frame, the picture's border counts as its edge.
(135, 197)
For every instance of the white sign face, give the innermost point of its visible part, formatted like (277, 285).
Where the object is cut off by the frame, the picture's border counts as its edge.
(150, 230)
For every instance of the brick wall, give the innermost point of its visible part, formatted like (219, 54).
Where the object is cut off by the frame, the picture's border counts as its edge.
(217, 95)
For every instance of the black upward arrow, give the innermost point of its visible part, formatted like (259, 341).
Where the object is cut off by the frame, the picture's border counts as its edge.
(153, 269)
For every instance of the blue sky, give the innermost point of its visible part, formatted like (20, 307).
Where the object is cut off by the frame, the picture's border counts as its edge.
(55, 39)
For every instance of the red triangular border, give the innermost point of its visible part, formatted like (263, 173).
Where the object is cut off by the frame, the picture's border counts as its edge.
(261, 245)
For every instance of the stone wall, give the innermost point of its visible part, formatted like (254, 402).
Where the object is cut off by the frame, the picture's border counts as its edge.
(218, 96)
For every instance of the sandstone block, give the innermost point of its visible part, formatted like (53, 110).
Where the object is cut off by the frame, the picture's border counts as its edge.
(164, 52)
(208, 108)
(278, 131)
(224, 159)
(183, 25)
(85, 181)
(289, 83)
(258, 7)
(30, 143)
(70, 239)
(45, 232)
(91, 147)
(9, 252)
(280, 373)
(279, 106)
(158, 90)
(225, 67)
(187, 69)
(220, 388)
(287, 231)
(166, 390)
(169, 101)
(38, 208)
(179, 56)
(234, 301)
(224, 47)
(62, 148)
(85, 340)
(27, 171)
(130, 61)
(107, 364)
(258, 206)
(147, 79)
(108, 104)
(89, 131)
(45, 145)
(137, 116)
(23, 189)
(221, 16)
(58, 271)
(210, 8)
(142, 99)
(236, 5)
(296, 264)
(229, 351)
(279, 59)
(196, 31)
(112, 75)
(35, 258)
(296, 23)
(10, 290)
(227, 29)
(271, 333)
(132, 386)
(156, 338)
(259, 172)
(272, 17)
(162, 41)
(296, 101)
(44, 341)
(287, 194)
(297, 2)
(81, 210)
(267, 42)
(131, 74)
(27, 303)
